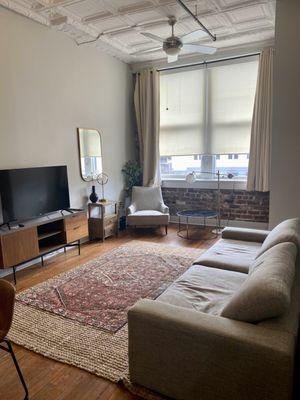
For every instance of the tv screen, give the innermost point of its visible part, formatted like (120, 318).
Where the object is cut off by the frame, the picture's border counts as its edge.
(32, 192)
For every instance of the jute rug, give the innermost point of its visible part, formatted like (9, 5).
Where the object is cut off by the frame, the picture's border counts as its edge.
(92, 333)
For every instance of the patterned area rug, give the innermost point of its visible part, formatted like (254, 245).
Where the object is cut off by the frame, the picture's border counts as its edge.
(79, 317)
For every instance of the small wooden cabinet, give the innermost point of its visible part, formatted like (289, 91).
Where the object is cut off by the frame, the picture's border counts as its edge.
(101, 223)
(42, 236)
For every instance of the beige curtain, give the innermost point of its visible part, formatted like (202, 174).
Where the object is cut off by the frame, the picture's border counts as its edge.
(147, 110)
(259, 162)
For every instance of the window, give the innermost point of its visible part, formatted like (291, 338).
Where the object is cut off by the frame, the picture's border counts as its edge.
(205, 119)
(177, 167)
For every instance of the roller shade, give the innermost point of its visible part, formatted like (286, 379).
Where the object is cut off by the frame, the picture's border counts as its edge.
(182, 96)
(231, 92)
(207, 110)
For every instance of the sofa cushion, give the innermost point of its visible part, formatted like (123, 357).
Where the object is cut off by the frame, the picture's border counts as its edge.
(266, 293)
(289, 321)
(203, 289)
(286, 231)
(249, 235)
(148, 217)
(234, 255)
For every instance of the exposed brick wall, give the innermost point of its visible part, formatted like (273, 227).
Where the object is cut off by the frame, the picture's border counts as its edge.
(238, 205)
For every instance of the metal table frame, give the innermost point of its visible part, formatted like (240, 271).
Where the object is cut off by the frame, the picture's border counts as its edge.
(205, 214)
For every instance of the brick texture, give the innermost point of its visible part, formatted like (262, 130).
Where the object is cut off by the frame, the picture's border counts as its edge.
(239, 205)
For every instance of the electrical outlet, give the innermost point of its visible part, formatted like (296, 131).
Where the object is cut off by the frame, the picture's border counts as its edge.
(180, 203)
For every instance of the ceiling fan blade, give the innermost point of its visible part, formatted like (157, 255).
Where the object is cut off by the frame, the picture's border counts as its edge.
(197, 48)
(193, 36)
(151, 36)
(172, 58)
(140, 52)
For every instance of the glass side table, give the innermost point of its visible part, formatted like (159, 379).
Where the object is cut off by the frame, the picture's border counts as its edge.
(185, 225)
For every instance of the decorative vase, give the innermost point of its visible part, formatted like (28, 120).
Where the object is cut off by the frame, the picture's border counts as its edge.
(93, 195)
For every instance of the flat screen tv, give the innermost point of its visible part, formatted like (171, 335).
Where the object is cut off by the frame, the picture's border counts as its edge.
(32, 192)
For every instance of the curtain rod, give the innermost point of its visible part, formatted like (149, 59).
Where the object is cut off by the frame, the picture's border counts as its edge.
(209, 62)
(205, 62)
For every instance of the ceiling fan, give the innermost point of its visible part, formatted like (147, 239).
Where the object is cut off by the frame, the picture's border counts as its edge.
(173, 45)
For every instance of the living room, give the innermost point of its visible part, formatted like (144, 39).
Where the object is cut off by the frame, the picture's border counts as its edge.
(148, 208)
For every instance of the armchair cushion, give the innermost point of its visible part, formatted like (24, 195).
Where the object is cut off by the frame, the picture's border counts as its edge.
(148, 218)
(147, 198)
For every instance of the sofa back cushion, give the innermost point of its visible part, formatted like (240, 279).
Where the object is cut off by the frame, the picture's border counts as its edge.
(147, 198)
(286, 231)
(266, 293)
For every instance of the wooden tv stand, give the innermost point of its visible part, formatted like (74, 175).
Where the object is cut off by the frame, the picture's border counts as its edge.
(42, 236)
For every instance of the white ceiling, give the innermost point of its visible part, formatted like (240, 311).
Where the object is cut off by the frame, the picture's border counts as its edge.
(118, 22)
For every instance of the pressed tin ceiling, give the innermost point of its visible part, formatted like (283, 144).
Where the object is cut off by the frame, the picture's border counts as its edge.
(117, 23)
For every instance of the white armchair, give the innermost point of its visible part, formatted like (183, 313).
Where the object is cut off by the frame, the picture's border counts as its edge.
(147, 208)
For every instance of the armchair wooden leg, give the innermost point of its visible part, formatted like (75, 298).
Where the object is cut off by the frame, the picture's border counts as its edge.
(166, 229)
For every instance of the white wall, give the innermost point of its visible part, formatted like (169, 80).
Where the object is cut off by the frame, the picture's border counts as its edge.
(48, 88)
(285, 166)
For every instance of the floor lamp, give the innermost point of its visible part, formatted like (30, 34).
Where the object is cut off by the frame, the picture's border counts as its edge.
(192, 177)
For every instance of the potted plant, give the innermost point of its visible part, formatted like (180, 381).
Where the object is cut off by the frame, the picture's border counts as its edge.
(132, 172)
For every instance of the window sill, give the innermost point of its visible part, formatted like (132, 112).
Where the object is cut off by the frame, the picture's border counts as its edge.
(205, 184)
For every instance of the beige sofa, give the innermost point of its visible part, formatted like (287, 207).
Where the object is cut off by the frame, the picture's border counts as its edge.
(227, 328)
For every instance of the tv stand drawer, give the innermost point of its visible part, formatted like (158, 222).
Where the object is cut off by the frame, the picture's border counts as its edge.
(75, 219)
(76, 227)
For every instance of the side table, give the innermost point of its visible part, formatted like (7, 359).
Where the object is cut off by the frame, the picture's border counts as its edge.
(183, 232)
(102, 224)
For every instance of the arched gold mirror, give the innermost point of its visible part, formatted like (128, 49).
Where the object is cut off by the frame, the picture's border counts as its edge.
(90, 153)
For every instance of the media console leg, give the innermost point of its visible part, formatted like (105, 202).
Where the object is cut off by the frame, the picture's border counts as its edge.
(79, 249)
(42, 260)
(14, 273)
(65, 250)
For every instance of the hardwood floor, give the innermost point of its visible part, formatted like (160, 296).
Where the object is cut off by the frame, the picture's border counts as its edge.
(48, 379)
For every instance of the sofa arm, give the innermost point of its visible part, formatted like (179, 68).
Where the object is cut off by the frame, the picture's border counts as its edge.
(249, 235)
(131, 209)
(186, 354)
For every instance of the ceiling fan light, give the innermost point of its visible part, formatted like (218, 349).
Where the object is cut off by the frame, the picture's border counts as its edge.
(172, 51)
